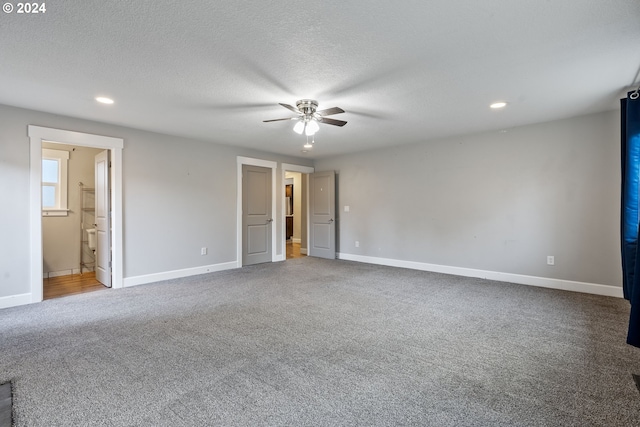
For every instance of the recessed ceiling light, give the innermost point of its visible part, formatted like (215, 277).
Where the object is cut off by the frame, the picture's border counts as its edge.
(104, 100)
(496, 105)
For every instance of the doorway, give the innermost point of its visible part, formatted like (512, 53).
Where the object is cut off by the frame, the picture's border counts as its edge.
(295, 214)
(69, 220)
(295, 180)
(37, 136)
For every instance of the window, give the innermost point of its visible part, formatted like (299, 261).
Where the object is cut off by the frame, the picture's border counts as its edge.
(54, 182)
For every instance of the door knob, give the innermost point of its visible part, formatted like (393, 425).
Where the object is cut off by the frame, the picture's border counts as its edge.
(270, 220)
(331, 220)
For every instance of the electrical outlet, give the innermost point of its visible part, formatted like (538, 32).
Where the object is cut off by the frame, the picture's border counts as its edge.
(551, 260)
(203, 251)
(357, 244)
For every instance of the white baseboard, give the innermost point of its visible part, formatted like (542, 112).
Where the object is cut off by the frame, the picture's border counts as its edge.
(303, 251)
(294, 240)
(176, 274)
(51, 274)
(543, 282)
(15, 300)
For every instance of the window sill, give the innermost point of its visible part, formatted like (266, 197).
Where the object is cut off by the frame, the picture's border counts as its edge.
(55, 212)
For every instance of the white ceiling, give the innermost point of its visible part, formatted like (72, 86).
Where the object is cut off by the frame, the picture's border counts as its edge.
(404, 71)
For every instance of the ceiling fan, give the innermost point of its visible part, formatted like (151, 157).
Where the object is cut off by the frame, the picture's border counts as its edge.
(308, 117)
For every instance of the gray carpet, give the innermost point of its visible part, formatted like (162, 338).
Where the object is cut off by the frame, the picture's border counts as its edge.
(322, 343)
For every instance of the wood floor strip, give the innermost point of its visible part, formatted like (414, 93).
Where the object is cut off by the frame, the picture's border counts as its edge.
(293, 250)
(72, 284)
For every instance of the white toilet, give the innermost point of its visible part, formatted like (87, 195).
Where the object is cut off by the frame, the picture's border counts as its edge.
(91, 234)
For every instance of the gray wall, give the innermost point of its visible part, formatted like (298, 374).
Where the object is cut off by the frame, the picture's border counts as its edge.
(179, 195)
(492, 201)
(61, 234)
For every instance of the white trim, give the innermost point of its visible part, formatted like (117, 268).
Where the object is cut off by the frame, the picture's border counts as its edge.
(15, 300)
(543, 282)
(294, 240)
(287, 167)
(55, 212)
(177, 274)
(303, 251)
(38, 134)
(265, 164)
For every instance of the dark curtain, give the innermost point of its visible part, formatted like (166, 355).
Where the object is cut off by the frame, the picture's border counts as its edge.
(630, 113)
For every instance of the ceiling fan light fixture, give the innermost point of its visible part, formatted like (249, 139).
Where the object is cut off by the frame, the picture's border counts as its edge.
(308, 145)
(309, 117)
(312, 128)
(299, 127)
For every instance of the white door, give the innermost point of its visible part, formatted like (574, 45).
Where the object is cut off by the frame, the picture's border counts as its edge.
(322, 204)
(103, 226)
(256, 215)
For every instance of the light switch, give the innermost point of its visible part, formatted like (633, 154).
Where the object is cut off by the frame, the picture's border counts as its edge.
(346, 208)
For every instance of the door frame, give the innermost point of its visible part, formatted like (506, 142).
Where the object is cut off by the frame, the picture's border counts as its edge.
(37, 134)
(265, 164)
(293, 168)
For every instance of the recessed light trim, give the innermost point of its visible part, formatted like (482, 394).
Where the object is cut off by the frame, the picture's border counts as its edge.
(497, 105)
(104, 100)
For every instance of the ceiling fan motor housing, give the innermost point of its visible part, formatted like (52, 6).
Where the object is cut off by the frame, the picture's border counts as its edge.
(307, 106)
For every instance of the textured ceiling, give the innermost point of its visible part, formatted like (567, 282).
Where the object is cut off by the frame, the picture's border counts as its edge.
(405, 72)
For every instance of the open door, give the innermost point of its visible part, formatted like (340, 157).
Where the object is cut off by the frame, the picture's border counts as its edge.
(257, 222)
(103, 219)
(322, 206)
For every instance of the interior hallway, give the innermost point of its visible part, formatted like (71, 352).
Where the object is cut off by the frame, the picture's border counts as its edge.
(293, 250)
